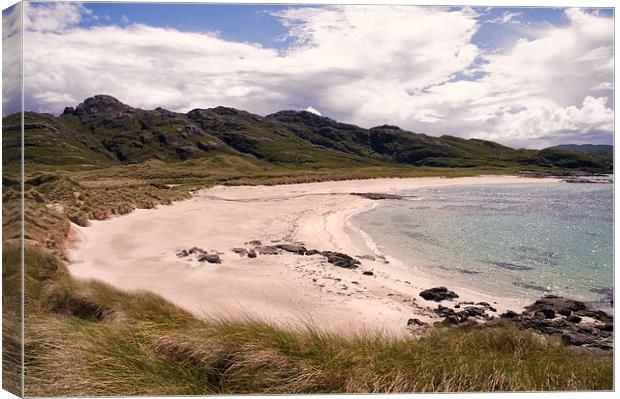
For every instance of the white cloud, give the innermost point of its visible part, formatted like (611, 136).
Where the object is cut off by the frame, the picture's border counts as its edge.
(603, 86)
(367, 65)
(313, 111)
(11, 59)
(52, 17)
(506, 17)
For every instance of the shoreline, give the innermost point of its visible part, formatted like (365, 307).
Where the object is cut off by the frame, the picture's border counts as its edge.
(138, 252)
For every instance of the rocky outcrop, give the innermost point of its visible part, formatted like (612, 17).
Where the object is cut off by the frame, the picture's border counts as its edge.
(211, 258)
(341, 260)
(296, 249)
(565, 317)
(267, 250)
(201, 254)
(438, 294)
(416, 323)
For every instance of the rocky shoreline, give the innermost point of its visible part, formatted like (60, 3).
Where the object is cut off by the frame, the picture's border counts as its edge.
(575, 322)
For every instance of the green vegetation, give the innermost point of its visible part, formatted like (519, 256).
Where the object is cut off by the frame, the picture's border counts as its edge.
(105, 158)
(103, 132)
(604, 150)
(85, 338)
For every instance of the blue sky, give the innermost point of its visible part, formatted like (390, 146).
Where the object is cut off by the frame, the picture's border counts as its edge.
(526, 77)
(256, 23)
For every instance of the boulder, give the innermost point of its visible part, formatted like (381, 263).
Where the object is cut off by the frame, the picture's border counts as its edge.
(341, 260)
(68, 111)
(185, 152)
(211, 258)
(208, 145)
(368, 273)
(267, 250)
(251, 253)
(240, 251)
(416, 322)
(312, 252)
(438, 294)
(563, 306)
(444, 311)
(296, 249)
(508, 315)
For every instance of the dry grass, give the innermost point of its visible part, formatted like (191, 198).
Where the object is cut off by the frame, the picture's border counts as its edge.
(88, 339)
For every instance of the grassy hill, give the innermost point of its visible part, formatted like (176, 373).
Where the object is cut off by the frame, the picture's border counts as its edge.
(603, 150)
(104, 158)
(102, 131)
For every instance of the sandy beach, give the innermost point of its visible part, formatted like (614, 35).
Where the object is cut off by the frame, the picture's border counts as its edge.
(138, 251)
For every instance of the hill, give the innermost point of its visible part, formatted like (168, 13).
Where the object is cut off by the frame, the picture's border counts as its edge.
(594, 149)
(102, 131)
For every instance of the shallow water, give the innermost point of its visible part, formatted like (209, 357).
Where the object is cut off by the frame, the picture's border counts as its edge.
(513, 240)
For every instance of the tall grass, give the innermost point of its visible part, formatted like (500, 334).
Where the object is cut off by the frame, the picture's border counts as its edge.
(89, 339)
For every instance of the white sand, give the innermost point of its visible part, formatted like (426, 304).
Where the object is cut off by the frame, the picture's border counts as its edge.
(138, 252)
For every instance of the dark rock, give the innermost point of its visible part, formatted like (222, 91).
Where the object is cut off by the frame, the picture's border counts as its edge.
(547, 313)
(454, 319)
(508, 315)
(540, 316)
(185, 152)
(208, 145)
(68, 111)
(100, 104)
(211, 258)
(595, 314)
(368, 273)
(255, 242)
(510, 266)
(312, 252)
(241, 251)
(438, 294)
(578, 339)
(444, 311)
(297, 249)
(251, 253)
(267, 250)
(472, 311)
(378, 196)
(557, 304)
(341, 260)
(416, 322)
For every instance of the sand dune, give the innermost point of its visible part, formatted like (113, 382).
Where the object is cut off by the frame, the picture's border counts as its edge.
(138, 252)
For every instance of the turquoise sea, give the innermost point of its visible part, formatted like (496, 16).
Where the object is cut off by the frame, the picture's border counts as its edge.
(521, 240)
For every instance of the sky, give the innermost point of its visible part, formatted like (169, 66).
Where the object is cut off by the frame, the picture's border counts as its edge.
(525, 77)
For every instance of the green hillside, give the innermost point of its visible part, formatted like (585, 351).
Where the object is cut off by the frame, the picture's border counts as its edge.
(604, 150)
(102, 131)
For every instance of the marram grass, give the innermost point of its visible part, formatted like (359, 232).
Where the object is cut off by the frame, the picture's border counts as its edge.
(88, 339)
